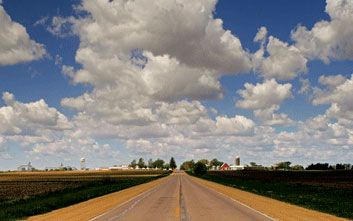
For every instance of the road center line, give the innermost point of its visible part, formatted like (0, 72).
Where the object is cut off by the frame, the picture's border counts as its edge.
(183, 211)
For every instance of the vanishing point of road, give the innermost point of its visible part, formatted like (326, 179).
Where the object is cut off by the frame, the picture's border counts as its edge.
(179, 197)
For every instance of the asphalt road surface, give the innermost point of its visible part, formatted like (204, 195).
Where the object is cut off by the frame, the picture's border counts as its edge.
(180, 197)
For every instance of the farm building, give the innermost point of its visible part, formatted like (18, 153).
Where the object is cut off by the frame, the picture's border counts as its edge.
(120, 167)
(224, 166)
(236, 167)
(26, 167)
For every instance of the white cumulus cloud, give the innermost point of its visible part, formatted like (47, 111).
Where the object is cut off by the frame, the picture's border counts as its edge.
(328, 39)
(264, 99)
(15, 43)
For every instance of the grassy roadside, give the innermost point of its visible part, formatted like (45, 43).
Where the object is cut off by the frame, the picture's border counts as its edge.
(13, 210)
(332, 200)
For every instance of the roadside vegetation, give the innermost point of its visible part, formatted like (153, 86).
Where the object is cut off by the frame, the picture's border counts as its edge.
(322, 187)
(25, 194)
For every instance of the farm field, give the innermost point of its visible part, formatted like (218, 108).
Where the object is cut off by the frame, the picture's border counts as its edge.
(325, 191)
(24, 194)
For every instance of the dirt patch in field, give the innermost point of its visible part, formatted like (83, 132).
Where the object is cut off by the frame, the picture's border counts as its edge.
(273, 208)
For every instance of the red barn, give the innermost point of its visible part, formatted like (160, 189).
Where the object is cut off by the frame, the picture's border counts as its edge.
(224, 166)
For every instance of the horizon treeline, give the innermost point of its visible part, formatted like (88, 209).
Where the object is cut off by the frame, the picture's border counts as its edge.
(158, 163)
(285, 165)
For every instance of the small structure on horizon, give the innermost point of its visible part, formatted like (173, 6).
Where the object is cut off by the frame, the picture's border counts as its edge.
(26, 167)
(237, 161)
(224, 166)
(83, 163)
(237, 165)
(120, 167)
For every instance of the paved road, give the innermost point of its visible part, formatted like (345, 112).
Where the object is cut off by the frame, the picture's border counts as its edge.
(180, 197)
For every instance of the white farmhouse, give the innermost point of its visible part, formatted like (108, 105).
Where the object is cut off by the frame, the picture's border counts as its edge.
(27, 167)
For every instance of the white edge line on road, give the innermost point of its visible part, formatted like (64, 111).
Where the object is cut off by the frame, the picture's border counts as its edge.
(126, 202)
(133, 205)
(240, 203)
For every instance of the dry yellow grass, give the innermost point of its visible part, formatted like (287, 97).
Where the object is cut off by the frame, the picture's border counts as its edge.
(273, 208)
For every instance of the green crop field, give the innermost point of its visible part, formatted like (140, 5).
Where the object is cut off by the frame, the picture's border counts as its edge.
(326, 191)
(27, 194)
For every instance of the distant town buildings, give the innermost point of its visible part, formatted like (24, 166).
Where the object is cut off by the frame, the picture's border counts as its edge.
(26, 167)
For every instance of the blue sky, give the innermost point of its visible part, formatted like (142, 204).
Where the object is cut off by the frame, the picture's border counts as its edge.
(167, 111)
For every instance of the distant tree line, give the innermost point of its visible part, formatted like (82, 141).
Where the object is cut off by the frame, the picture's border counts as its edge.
(202, 164)
(159, 163)
(326, 166)
(317, 166)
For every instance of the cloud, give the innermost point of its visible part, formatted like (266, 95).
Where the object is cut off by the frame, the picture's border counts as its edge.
(261, 35)
(263, 95)
(43, 131)
(305, 86)
(27, 119)
(179, 43)
(61, 27)
(264, 99)
(15, 43)
(148, 89)
(238, 125)
(284, 62)
(332, 80)
(337, 94)
(328, 39)
(58, 26)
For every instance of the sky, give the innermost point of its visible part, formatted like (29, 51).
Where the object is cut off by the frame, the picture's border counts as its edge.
(112, 81)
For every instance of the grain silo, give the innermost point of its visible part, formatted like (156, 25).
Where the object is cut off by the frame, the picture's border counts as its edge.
(237, 161)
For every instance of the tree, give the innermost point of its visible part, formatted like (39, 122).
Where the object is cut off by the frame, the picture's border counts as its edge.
(340, 166)
(133, 164)
(158, 163)
(141, 163)
(215, 162)
(187, 165)
(204, 161)
(348, 166)
(253, 164)
(297, 167)
(172, 163)
(318, 166)
(166, 166)
(200, 168)
(283, 165)
(150, 163)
